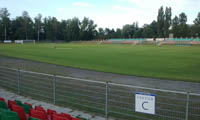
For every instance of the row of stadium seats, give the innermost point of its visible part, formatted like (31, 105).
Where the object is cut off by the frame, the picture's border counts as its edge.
(169, 39)
(16, 110)
(131, 39)
(184, 39)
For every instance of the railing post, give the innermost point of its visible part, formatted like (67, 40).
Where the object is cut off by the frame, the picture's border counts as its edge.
(18, 81)
(54, 89)
(187, 106)
(106, 107)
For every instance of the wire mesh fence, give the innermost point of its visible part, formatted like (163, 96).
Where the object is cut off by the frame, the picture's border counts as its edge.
(104, 98)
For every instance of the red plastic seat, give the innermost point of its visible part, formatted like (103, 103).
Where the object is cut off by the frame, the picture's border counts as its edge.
(20, 111)
(50, 113)
(68, 116)
(29, 105)
(40, 109)
(58, 117)
(38, 114)
(10, 103)
(2, 99)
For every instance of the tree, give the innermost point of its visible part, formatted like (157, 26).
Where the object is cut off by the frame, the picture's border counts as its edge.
(182, 18)
(139, 33)
(160, 20)
(28, 25)
(55, 25)
(87, 29)
(51, 29)
(183, 27)
(197, 20)
(154, 27)
(62, 34)
(118, 33)
(128, 30)
(196, 27)
(147, 32)
(4, 15)
(74, 29)
(18, 28)
(167, 21)
(38, 22)
(175, 26)
(100, 33)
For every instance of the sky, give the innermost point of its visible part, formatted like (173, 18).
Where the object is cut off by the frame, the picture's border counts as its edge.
(105, 13)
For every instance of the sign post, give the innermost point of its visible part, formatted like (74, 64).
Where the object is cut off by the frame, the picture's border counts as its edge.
(145, 103)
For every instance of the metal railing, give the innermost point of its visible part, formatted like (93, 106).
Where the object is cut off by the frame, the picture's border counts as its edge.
(104, 98)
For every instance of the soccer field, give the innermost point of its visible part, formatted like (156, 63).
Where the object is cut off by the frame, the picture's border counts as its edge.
(166, 62)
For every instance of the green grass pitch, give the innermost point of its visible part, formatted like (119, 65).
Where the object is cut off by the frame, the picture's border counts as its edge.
(166, 62)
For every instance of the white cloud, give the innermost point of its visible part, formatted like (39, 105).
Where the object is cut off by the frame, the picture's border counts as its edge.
(121, 8)
(60, 10)
(145, 11)
(177, 5)
(82, 4)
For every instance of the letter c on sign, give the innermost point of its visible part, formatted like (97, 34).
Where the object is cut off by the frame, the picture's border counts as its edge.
(144, 104)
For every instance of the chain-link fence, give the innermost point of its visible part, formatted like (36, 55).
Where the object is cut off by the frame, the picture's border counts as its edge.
(109, 99)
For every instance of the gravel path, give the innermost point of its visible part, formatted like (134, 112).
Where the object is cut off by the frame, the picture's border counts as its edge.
(99, 76)
(11, 96)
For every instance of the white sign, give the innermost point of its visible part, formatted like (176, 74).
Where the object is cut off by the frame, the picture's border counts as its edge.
(145, 103)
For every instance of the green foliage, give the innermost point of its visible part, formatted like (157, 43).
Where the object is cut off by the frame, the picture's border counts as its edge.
(197, 20)
(87, 29)
(167, 21)
(148, 32)
(37, 26)
(128, 31)
(180, 28)
(167, 62)
(161, 20)
(5, 21)
(50, 29)
(182, 18)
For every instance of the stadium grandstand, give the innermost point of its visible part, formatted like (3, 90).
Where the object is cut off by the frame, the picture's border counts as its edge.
(156, 41)
(17, 110)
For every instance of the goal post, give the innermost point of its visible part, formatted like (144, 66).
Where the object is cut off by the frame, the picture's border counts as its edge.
(29, 41)
(24, 41)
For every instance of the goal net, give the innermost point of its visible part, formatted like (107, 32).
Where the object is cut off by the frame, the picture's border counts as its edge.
(24, 41)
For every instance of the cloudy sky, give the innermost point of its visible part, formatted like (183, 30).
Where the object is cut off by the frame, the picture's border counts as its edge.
(105, 13)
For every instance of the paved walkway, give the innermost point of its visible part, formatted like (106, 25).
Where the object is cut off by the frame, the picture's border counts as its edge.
(11, 96)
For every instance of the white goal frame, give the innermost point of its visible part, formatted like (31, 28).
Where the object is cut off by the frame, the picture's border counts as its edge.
(24, 41)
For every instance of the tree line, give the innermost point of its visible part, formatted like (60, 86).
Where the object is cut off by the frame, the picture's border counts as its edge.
(50, 29)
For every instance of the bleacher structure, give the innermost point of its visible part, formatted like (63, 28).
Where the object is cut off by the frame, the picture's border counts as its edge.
(16, 110)
(124, 41)
(155, 41)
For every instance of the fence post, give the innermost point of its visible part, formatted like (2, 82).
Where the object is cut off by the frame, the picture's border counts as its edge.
(54, 89)
(187, 106)
(106, 109)
(18, 81)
